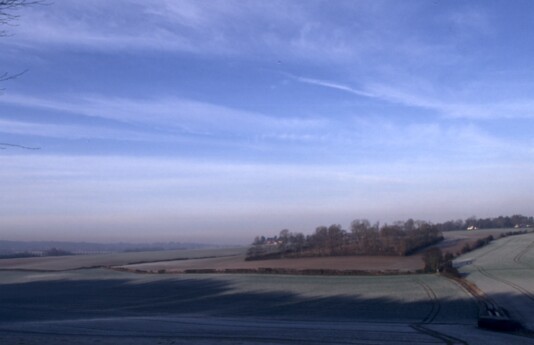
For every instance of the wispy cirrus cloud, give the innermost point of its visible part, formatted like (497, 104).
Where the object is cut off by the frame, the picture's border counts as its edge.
(171, 119)
(207, 28)
(453, 107)
(492, 109)
(70, 131)
(175, 116)
(356, 33)
(470, 20)
(335, 86)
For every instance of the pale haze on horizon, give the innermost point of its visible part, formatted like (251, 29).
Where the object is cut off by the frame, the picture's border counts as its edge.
(216, 121)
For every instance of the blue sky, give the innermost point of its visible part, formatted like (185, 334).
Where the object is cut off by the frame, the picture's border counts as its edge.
(215, 121)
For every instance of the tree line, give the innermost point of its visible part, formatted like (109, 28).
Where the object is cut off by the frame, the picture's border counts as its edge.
(27, 254)
(363, 238)
(515, 221)
(501, 222)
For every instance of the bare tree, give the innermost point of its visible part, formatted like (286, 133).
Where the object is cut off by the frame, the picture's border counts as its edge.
(8, 15)
(8, 11)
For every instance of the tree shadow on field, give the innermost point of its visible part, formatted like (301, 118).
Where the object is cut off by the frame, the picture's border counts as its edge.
(209, 296)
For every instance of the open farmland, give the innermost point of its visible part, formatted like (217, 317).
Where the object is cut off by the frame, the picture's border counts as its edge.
(57, 305)
(177, 261)
(342, 263)
(99, 293)
(58, 263)
(108, 307)
(454, 241)
(504, 271)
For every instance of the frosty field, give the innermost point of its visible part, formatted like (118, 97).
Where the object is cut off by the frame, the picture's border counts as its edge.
(504, 271)
(55, 263)
(57, 301)
(108, 307)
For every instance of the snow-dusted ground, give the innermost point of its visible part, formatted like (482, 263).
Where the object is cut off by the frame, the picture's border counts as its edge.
(100, 306)
(60, 263)
(504, 271)
(210, 330)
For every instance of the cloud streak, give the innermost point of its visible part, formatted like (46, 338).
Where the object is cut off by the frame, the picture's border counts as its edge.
(173, 116)
(194, 123)
(335, 86)
(454, 109)
(63, 131)
(296, 31)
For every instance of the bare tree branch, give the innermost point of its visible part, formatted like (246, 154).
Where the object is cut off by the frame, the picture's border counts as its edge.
(8, 15)
(8, 9)
(2, 146)
(6, 76)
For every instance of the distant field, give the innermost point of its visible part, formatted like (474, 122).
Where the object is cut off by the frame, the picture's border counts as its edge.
(454, 241)
(177, 261)
(104, 260)
(363, 263)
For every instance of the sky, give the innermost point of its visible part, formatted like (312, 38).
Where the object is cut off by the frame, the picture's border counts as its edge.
(216, 121)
